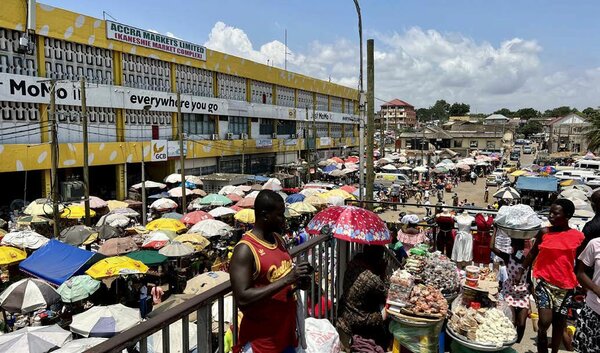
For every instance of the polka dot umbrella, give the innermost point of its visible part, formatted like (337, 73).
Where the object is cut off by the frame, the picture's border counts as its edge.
(351, 223)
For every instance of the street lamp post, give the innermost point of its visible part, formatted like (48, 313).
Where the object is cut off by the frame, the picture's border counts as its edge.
(362, 101)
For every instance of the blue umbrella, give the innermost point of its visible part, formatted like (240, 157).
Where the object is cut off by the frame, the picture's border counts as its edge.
(329, 168)
(294, 198)
(189, 185)
(159, 196)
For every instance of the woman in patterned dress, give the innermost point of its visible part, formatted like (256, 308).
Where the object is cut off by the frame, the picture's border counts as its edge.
(515, 291)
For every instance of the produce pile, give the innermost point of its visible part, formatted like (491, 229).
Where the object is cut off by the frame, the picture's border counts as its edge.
(427, 301)
(440, 272)
(401, 284)
(483, 326)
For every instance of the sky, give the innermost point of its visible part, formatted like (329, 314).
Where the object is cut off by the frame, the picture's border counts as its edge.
(490, 54)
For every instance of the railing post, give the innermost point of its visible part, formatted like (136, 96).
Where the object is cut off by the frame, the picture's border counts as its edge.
(343, 247)
(204, 329)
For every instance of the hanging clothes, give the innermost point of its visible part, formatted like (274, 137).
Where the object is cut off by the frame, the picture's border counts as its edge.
(482, 238)
(445, 240)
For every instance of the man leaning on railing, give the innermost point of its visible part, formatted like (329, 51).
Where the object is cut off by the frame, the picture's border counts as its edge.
(264, 278)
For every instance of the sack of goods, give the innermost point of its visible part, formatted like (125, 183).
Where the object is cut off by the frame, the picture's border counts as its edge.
(518, 221)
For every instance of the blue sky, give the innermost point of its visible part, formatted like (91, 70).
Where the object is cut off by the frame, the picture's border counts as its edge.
(490, 54)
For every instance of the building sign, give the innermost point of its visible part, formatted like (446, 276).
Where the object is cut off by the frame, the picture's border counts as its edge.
(324, 141)
(173, 149)
(264, 143)
(158, 149)
(142, 38)
(290, 142)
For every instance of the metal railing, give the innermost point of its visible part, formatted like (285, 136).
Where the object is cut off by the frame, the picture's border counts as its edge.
(326, 255)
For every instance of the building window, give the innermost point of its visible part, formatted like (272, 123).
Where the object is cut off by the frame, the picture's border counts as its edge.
(322, 130)
(238, 125)
(266, 127)
(286, 127)
(490, 144)
(457, 143)
(348, 130)
(336, 130)
(198, 124)
(474, 144)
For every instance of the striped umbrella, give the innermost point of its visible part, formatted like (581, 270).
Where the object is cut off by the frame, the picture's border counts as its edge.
(105, 321)
(36, 339)
(507, 193)
(28, 295)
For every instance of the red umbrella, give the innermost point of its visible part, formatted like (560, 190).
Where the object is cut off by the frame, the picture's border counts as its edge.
(195, 217)
(246, 202)
(336, 159)
(349, 188)
(351, 223)
(236, 208)
(352, 159)
(234, 197)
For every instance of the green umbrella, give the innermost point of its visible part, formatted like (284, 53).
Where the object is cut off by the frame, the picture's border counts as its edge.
(148, 257)
(172, 215)
(215, 200)
(77, 288)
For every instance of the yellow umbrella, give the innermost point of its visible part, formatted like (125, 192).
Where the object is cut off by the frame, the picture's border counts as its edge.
(245, 216)
(75, 212)
(291, 213)
(41, 208)
(196, 240)
(518, 173)
(115, 266)
(567, 182)
(92, 238)
(337, 193)
(303, 207)
(316, 200)
(10, 255)
(115, 204)
(167, 224)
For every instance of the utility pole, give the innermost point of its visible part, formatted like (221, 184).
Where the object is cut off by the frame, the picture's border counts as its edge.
(370, 118)
(314, 130)
(54, 157)
(307, 139)
(243, 155)
(381, 137)
(181, 154)
(86, 169)
(143, 186)
(361, 100)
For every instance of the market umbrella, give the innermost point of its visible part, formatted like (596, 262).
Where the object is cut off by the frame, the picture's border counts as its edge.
(351, 223)
(115, 266)
(199, 192)
(205, 281)
(246, 202)
(337, 173)
(334, 200)
(80, 345)
(195, 217)
(172, 215)
(235, 208)
(220, 212)
(163, 204)
(336, 160)
(574, 193)
(41, 207)
(148, 257)
(253, 194)
(245, 216)
(176, 192)
(289, 213)
(77, 288)
(352, 159)
(303, 207)
(115, 204)
(76, 235)
(162, 195)
(583, 188)
(215, 200)
(420, 169)
(243, 188)
(211, 228)
(463, 166)
(150, 185)
(256, 187)
(580, 204)
(117, 246)
(29, 220)
(315, 201)
(172, 302)
(195, 240)
(548, 169)
(34, 339)
(75, 212)
(405, 167)
(10, 255)
(440, 170)
(173, 178)
(154, 342)
(105, 321)
(127, 212)
(194, 179)
(227, 189)
(339, 193)
(312, 191)
(234, 197)
(507, 193)
(24, 239)
(96, 202)
(272, 184)
(389, 167)
(166, 224)
(28, 295)
(295, 198)
(114, 220)
(155, 240)
(176, 249)
(329, 168)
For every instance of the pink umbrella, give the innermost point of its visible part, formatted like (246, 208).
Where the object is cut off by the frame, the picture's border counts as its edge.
(236, 208)
(348, 188)
(234, 197)
(96, 202)
(247, 202)
(195, 217)
(351, 223)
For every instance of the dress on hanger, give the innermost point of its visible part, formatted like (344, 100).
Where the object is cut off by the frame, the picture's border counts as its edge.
(444, 238)
(463, 244)
(482, 239)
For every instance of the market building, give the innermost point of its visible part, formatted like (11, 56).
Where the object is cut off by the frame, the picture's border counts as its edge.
(396, 115)
(238, 116)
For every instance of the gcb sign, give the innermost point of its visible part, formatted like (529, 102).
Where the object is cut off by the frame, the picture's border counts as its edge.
(158, 149)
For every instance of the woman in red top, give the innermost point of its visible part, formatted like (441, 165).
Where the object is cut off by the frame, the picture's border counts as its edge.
(554, 253)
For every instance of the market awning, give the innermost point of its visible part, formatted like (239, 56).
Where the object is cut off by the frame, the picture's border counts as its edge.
(56, 262)
(537, 184)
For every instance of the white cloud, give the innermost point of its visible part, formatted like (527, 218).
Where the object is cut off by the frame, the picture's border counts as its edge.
(421, 66)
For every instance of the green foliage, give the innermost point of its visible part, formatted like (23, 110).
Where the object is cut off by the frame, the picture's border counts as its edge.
(527, 113)
(459, 109)
(560, 111)
(530, 128)
(505, 111)
(592, 133)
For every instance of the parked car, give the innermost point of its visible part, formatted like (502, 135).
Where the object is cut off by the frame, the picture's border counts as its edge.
(527, 150)
(493, 180)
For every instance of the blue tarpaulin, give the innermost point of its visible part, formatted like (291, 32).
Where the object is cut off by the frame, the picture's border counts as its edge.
(56, 262)
(549, 184)
(258, 178)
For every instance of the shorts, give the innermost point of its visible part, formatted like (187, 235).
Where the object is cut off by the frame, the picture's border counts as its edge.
(548, 296)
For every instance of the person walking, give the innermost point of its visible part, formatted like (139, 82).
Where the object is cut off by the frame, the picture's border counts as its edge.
(455, 200)
(486, 194)
(554, 253)
(263, 279)
(473, 177)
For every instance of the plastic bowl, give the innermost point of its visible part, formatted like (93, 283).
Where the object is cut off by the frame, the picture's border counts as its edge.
(520, 233)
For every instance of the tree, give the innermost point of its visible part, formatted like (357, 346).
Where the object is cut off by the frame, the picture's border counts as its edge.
(530, 128)
(527, 113)
(440, 110)
(423, 115)
(504, 111)
(589, 111)
(459, 109)
(560, 111)
(592, 132)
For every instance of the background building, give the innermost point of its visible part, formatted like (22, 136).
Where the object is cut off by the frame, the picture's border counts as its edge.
(396, 115)
(234, 109)
(567, 133)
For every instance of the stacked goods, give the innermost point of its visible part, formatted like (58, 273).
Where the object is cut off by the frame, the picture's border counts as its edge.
(518, 221)
(440, 272)
(487, 274)
(483, 326)
(415, 264)
(472, 276)
(427, 301)
(401, 284)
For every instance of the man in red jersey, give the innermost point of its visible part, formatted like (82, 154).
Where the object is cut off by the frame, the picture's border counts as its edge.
(264, 278)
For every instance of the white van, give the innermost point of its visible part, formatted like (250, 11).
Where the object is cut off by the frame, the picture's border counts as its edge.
(577, 174)
(389, 178)
(592, 180)
(587, 164)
